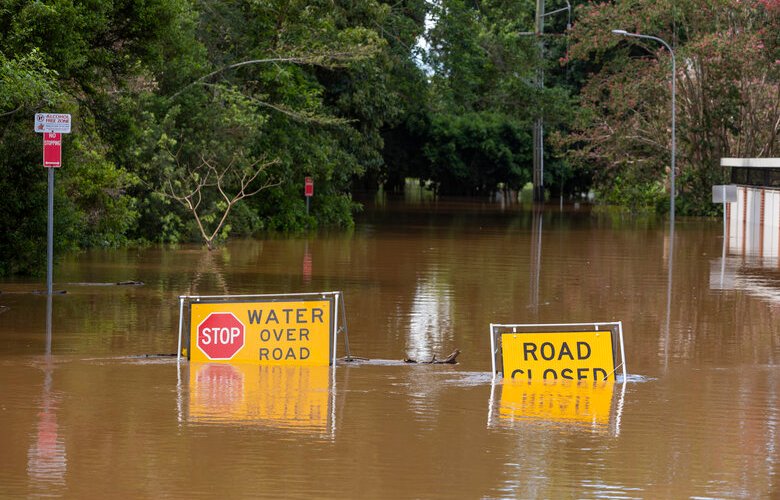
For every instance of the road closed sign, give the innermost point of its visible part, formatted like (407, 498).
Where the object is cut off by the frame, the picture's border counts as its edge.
(558, 355)
(558, 352)
(295, 332)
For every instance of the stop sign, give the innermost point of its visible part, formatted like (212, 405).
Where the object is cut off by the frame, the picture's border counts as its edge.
(220, 335)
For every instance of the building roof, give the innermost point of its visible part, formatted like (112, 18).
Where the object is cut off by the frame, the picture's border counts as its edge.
(750, 162)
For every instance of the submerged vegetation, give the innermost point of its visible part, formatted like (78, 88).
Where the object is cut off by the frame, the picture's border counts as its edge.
(197, 120)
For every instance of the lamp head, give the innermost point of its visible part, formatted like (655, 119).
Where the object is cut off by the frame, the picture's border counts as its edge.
(619, 32)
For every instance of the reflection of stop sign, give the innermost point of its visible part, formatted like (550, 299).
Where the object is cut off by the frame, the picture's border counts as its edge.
(220, 336)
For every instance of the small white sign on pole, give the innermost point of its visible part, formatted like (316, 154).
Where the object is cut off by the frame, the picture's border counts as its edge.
(52, 122)
(724, 193)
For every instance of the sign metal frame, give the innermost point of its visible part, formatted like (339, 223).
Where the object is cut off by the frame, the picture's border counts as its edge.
(497, 329)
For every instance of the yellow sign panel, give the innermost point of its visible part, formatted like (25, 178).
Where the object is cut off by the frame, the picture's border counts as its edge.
(292, 397)
(268, 333)
(557, 400)
(558, 356)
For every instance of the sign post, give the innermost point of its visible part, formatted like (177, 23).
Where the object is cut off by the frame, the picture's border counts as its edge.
(724, 193)
(52, 126)
(308, 191)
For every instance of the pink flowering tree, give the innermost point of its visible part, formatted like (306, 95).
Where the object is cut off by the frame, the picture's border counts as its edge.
(728, 95)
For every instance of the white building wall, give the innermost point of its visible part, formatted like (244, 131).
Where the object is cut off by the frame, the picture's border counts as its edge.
(749, 234)
(772, 223)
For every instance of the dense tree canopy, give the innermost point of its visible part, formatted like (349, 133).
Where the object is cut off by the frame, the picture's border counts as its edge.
(197, 120)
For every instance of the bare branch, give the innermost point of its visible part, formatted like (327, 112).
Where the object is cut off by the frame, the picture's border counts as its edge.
(8, 113)
(314, 59)
(214, 176)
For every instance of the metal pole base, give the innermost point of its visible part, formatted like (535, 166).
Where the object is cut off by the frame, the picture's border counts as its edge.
(538, 194)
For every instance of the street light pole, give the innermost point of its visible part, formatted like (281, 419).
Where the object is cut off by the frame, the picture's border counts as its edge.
(538, 130)
(674, 88)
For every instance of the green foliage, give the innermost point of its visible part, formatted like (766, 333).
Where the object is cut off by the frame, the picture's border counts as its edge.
(23, 211)
(728, 95)
(475, 131)
(473, 153)
(177, 100)
(97, 191)
(480, 59)
(88, 59)
(161, 87)
(25, 82)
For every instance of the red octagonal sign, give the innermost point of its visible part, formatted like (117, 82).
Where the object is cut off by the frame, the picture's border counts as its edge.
(220, 335)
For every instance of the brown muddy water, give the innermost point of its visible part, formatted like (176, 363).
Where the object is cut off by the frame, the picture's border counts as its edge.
(82, 415)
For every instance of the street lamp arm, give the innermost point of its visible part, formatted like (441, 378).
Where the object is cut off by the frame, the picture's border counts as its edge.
(556, 11)
(649, 37)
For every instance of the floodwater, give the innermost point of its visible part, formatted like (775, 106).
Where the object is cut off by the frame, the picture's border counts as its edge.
(83, 414)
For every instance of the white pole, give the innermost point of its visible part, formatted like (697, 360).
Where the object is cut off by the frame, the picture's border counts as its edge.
(674, 110)
(723, 254)
(335, 326)
(492, 351)
(181, 320)
(50, 235)
(622, 351)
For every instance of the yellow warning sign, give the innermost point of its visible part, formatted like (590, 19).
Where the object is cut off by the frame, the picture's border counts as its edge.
(269, 333)
(557, 401)
(291, 397)
(587, 355)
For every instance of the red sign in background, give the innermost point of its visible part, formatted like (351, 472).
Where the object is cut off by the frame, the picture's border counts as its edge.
(52, 149)
(309, 187)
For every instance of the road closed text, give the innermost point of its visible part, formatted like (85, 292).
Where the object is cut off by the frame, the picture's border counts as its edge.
(558, 356)
(268, 333)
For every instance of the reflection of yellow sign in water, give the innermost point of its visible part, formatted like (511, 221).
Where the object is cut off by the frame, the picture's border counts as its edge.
(575, 356)
(557, 400)
(293, 397)
(270, 333)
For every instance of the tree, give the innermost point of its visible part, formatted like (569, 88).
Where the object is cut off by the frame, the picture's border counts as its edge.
(189, 190)
(79, 58)
(472, 153)
(728, 95)
(265, 98)
(484, 96)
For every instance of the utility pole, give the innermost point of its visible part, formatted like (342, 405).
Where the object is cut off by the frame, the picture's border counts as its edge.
(538, 131)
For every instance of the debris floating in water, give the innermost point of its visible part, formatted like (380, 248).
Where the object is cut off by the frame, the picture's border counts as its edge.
(449, 360)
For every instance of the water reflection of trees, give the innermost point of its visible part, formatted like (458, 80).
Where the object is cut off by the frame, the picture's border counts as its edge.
(430, 320)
